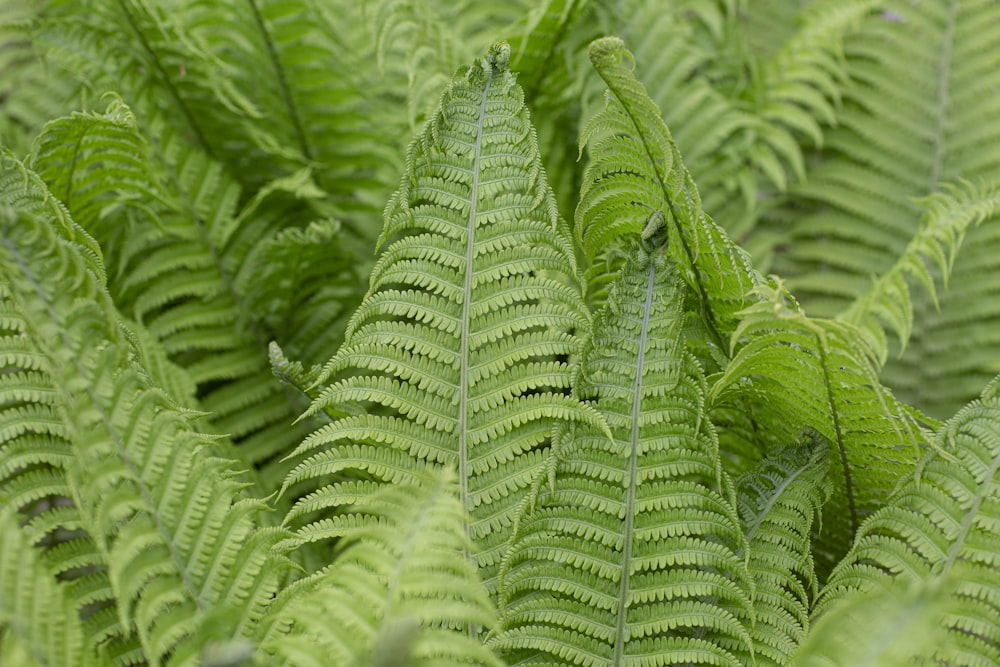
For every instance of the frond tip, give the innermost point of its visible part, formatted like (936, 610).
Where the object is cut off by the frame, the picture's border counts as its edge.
(458, 352)
(635, 171)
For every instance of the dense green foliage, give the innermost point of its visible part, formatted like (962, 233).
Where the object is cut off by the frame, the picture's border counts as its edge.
(407, 333)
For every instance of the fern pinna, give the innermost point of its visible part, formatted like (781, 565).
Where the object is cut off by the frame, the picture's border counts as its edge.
(458, 353)
(634, 555)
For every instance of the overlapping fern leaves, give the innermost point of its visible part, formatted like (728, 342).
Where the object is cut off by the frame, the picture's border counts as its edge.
(237, 173)
(911, 123)
(945, 517)
(401, 590)
(458, 352)
(180, 549)
(41, 620)
(635, 552)
(635, 170)
(791, 370)
(198, 273)
(777, 503)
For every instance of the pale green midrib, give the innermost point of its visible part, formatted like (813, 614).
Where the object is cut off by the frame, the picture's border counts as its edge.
(758, 519)
(623, 586)
(941, 108)
(970, 515)
(463, 369)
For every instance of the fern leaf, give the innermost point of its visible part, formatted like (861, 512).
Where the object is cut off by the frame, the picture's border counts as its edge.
(777, 502)
(400, 592)
(792, 371)
(457, 351)
(636, 170)
(895, 627)
(943, 518)
(803, 82)
(910, 124)
(950, 214)
(633, 555)
(291, 280)
(182, 550)
(184, 267)
(34, 607)
(36, 455)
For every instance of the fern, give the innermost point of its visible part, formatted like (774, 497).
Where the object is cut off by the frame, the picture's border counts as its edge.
(181, 548)
(889, 303)
(189, 249)
(400, 591)
(910, 124)
(635, 170)
(792, 370)
(634, 553)
(455, 350)
(174, 211)
(895, 627)
(943, 518)
(777, 502)
(34, 607)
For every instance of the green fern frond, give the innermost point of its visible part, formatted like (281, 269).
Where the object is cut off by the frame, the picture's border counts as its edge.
(945, 516)
(802, 83)
(181, 548)
(777, 503)
(683, 54)
(791, 371)
(36, 455)
(34, 607)
(458, 351)
(635, 170)
(950, 214)
(542, 52)
(297, 63)
(635, 553)
(401, 591)
(187, 266)
(292, 284)
(898, 626)
(32, 91)
(911, 121)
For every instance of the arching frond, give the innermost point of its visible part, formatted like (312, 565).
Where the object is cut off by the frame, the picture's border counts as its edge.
(911, 122)
(945, 517)
(777, 503)
(633, 553)
(949, 216)
(401, 591)
(266, 87)
(792, 371)
(185, 560)
(801, 82)
(36, 456)
(458, 350)
(636, 170)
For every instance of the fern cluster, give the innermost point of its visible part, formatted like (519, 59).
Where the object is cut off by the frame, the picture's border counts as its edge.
(331, 334)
